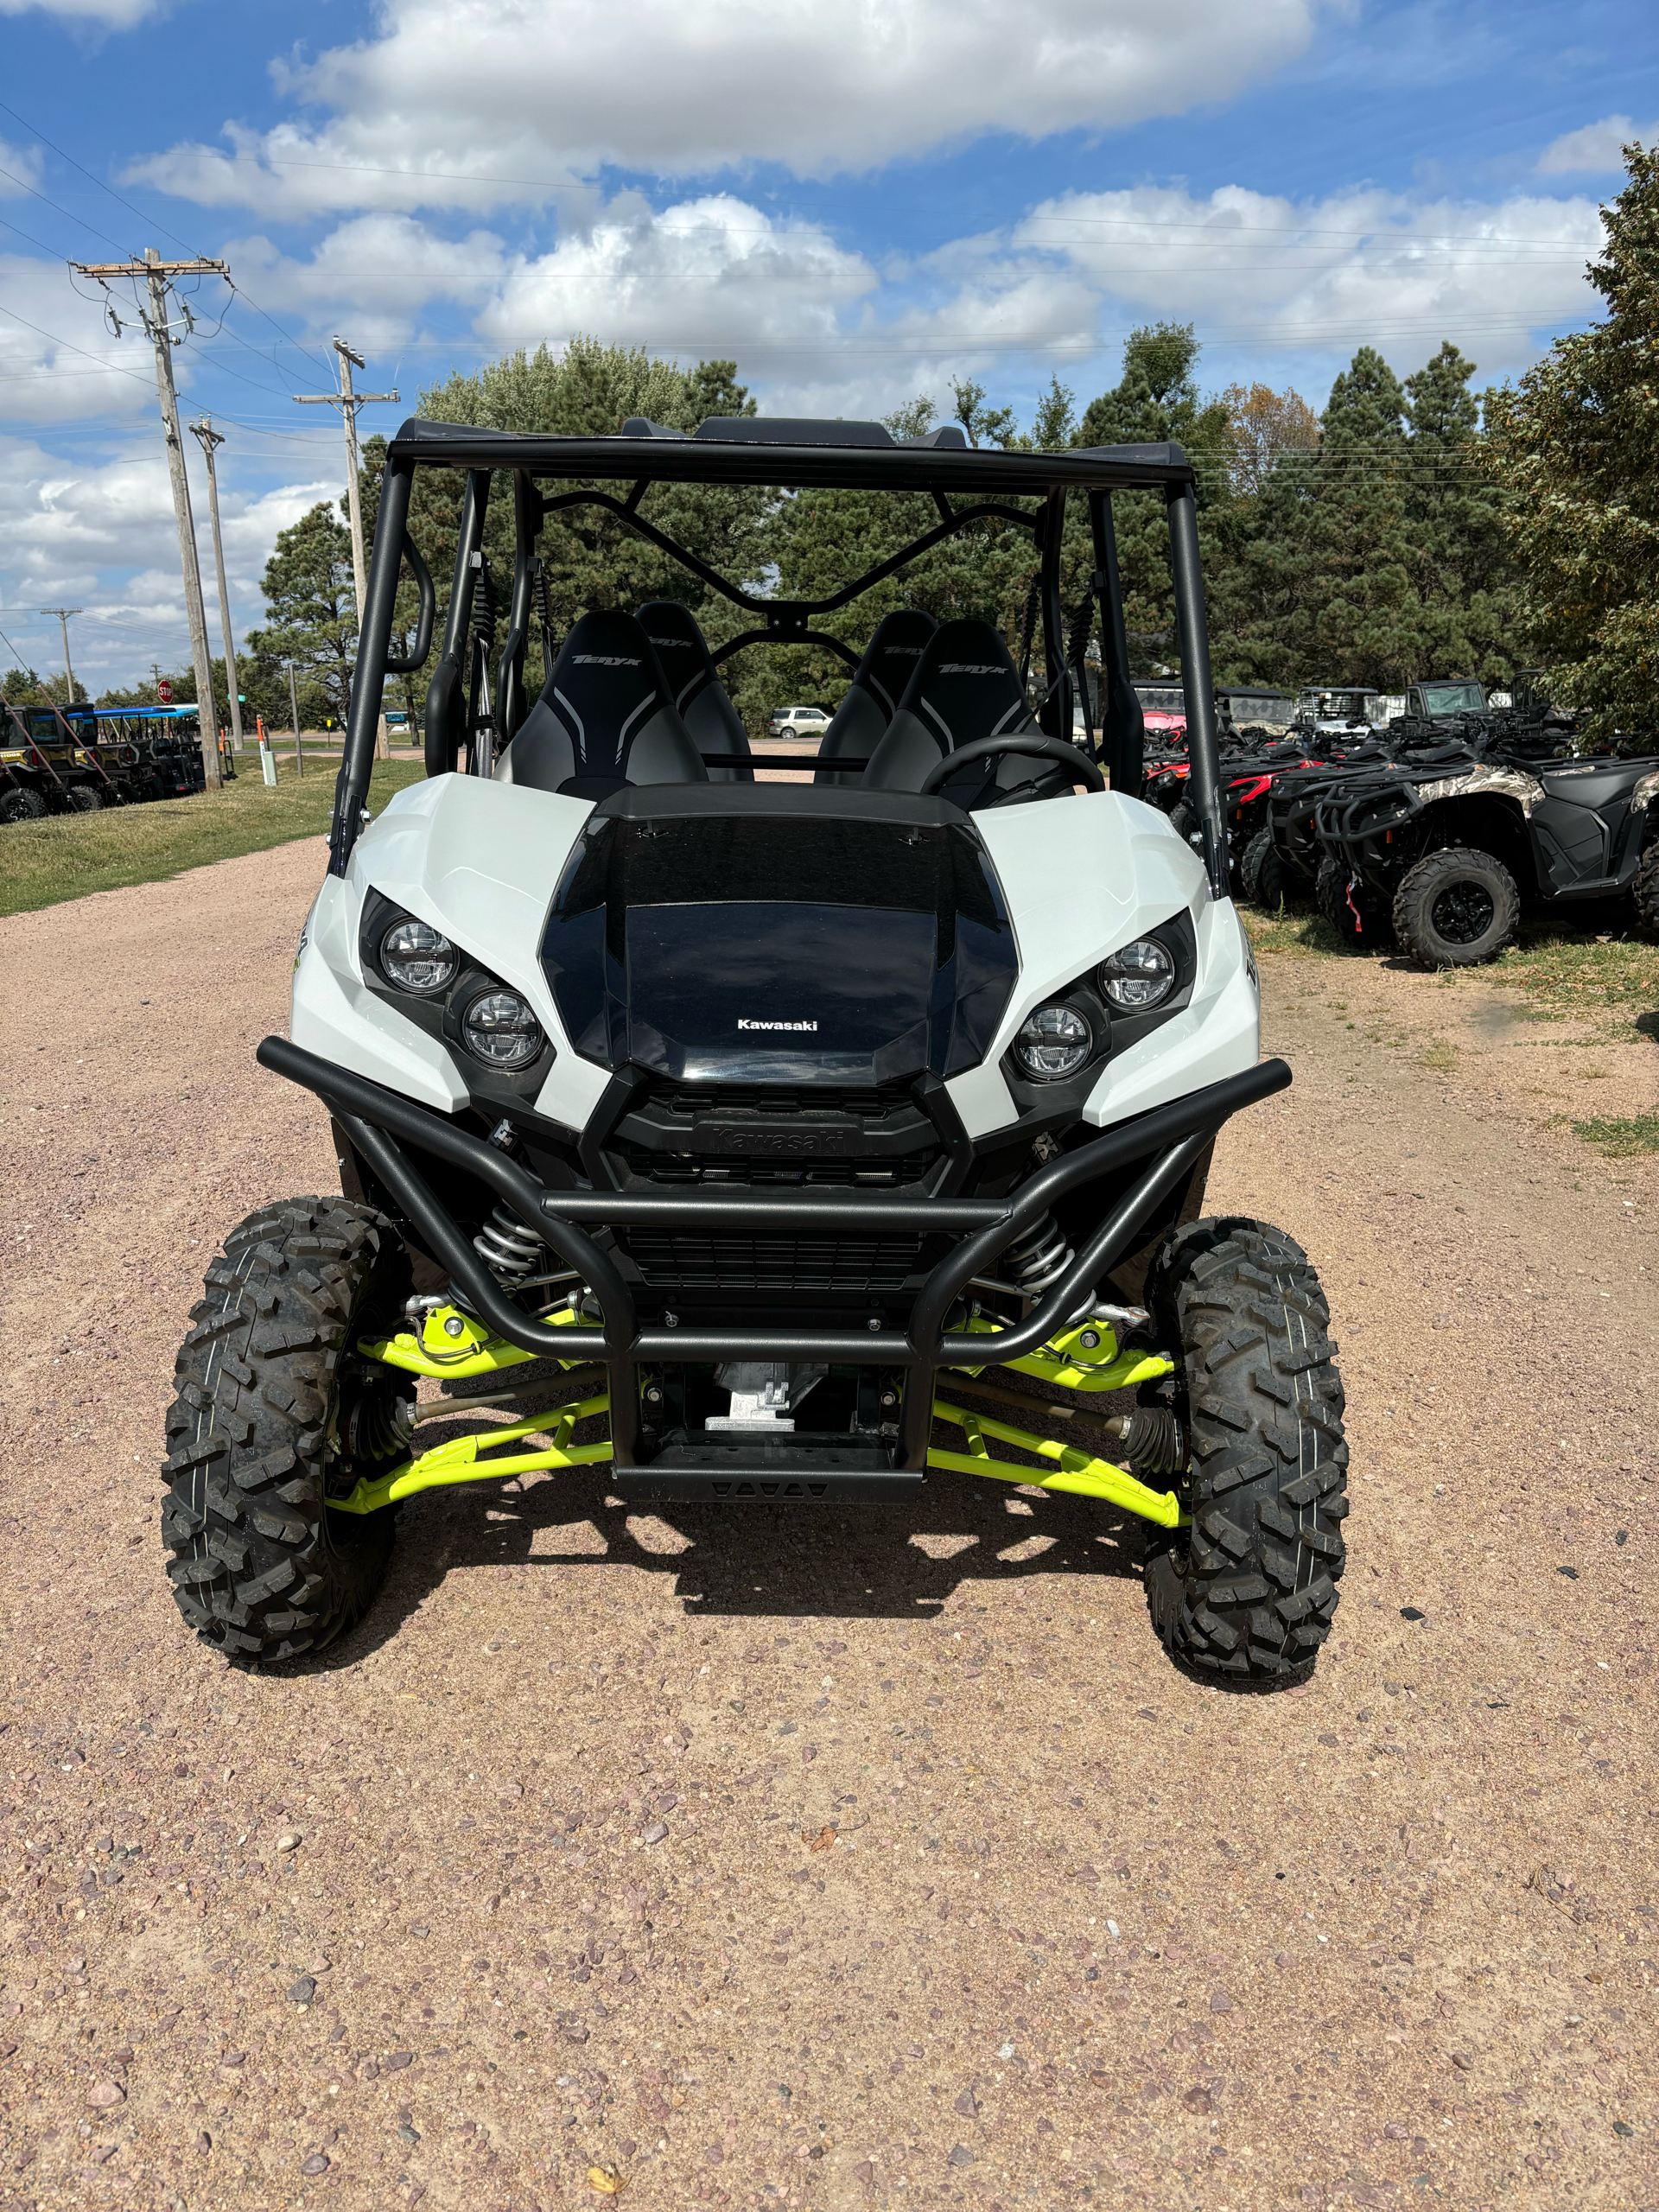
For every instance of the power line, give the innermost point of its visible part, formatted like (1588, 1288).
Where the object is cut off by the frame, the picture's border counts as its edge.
(23, 185)
(110, 368)
(135, 210)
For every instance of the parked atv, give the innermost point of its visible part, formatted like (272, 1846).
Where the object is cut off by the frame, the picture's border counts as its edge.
(48, 769)
(1446, 852)
(779, 1116)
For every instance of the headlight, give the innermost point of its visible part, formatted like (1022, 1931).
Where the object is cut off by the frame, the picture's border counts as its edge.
(501, 1029)
(1052, 1043)
(417, 957)
(1138, 976)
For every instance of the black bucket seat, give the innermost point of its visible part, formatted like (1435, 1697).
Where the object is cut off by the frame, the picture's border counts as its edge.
(965, 687)
(704, 704)
(860, 722)
(605, 718)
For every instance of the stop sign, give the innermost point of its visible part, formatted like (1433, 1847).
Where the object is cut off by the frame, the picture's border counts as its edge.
(164, 692)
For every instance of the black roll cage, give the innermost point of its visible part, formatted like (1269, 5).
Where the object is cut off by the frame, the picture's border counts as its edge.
(944, 473)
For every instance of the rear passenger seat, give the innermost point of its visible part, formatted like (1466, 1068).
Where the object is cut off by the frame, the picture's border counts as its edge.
(700, 697)
(860, 722)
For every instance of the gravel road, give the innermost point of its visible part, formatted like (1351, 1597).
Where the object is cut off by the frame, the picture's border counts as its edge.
(825, 1859)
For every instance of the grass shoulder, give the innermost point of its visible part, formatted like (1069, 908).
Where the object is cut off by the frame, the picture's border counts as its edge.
(67, 855)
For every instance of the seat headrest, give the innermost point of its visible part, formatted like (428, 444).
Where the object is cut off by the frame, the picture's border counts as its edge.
(965, 686)
(606, 683)
(681, 648)
(891, 657)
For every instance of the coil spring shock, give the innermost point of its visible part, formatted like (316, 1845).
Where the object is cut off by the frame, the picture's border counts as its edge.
(1039, 1258)
(508, 1248)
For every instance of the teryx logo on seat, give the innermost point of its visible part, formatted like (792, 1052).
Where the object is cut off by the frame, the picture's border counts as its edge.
(602, 660)
(744, 1023)
(968, 668)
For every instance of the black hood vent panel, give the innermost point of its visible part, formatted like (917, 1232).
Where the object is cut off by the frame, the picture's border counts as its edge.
(844, 943)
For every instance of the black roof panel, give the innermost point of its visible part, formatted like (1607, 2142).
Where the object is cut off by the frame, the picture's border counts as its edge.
(744, 451)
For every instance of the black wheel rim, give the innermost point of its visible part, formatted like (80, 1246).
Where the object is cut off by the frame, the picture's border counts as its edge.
(1463, 913)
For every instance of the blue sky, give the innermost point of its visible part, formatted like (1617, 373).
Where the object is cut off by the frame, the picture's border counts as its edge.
(857, 200)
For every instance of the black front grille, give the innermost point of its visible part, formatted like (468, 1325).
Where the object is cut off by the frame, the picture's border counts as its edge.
(715, 1171)
(692, 1260)
(759, 1098)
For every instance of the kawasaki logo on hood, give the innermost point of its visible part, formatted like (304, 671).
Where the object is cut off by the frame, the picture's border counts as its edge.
(744, 1023)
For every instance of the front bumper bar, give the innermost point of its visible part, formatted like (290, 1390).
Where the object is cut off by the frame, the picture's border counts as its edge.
(384, 1127)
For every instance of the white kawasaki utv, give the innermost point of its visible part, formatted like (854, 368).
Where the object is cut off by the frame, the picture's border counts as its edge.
(786, 1126)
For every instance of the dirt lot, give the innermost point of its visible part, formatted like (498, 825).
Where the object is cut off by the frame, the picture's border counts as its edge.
(827, 1859)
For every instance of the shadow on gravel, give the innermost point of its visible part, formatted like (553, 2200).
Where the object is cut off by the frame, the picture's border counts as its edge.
(897, 1561)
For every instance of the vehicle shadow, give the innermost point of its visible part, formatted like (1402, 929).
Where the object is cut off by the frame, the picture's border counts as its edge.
(902, 1561)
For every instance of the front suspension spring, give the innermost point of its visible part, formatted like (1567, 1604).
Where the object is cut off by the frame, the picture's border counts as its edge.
(1039, 1258)
(508, 1248)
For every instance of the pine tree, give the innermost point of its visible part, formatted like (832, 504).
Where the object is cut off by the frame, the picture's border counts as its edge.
(1358, 620)
(1157, 398)
(1458, 557)
(1576, 447)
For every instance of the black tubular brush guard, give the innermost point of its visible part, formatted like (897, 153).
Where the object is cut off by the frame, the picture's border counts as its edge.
(380, 1123)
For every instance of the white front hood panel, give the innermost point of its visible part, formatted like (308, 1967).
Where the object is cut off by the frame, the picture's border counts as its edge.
(1082, 876)
(481, 860)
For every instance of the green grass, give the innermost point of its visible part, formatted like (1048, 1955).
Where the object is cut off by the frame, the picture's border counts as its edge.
(1581, 972)
(42, 863)
(1621, 1139)
(1560, 971)
(1291, 930)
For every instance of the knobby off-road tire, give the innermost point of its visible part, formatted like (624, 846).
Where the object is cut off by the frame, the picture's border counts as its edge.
(83, 799)
(276, 1412)
(1645, 891)
(21, 805)
(1261, 873)
(1351, 910)
(1456, 908)
(1246, 1592)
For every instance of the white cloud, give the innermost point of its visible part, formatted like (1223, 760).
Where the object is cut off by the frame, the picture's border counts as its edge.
(103, 536)
(1255, 269)
(520, 100)
(58, 361)
(712, 276)
(23, 167)
(1597, 149)
(380, 268)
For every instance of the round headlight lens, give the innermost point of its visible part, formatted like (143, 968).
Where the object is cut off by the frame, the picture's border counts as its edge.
(1052, 1043)
(501, 1029)
(417, 957)
(1138, 976)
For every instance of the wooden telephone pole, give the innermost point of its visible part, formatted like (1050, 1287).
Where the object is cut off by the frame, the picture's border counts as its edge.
(348, 402)
(158, 277)
(210, 439)
(63, 614)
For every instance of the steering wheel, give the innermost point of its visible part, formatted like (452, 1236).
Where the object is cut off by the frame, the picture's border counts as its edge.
(1083, 770)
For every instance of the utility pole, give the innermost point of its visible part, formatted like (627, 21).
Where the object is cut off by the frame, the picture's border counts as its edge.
(348, 402)
(293, 701)
(63, 614)
(158, 275)
(210, 439)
